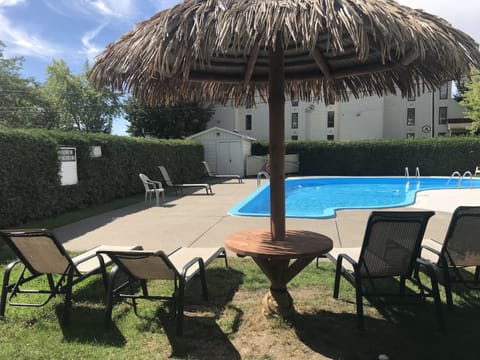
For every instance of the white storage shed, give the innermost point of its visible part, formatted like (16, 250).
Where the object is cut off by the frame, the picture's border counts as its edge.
(225, 151)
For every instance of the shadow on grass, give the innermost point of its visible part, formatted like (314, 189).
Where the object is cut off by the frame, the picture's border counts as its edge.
(87, 325)
(406, 332)
(202, 338)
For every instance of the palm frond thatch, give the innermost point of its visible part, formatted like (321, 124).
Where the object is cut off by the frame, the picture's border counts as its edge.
(217, 50)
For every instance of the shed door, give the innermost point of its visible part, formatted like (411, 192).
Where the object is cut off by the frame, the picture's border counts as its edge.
(229, 157)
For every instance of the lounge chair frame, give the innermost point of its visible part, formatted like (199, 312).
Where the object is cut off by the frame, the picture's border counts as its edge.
(180, 279)
(459, 250)
(390, 249)
(219, 176)
(67, 269)
(170, 183)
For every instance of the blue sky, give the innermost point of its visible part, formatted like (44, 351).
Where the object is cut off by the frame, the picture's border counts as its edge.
(77, 30)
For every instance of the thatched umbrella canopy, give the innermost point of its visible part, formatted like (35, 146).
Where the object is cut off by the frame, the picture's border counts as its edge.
(229, 50)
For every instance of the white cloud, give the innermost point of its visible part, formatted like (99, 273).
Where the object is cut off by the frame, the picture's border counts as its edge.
(21, 43)
(114, 8)
(89, 48)
(5, 3)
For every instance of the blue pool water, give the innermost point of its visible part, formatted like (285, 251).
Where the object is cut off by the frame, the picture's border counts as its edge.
(314, 197)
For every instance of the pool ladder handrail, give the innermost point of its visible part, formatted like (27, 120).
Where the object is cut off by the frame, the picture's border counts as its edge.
(461, 177)
(469, 173)
(259, 177)
(417, 173)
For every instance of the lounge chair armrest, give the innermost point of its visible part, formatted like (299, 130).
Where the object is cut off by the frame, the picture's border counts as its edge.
(191, 263)
(348, 258)
(11, 265)
(91, 256)
(428, 248)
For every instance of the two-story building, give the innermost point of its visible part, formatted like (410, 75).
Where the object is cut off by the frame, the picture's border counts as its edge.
(373, 117)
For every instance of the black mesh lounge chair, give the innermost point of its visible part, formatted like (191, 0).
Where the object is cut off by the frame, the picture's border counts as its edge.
(460, 250)
(41, 254)
(218, 176)
(170, 183)
(180, 266)
(390, 248)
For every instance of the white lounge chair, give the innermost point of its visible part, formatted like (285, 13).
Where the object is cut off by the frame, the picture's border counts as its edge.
(180, 266)
(217, 176)
(152, 187)
(169, 182)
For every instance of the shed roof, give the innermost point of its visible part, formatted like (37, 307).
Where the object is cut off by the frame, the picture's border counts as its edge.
(216, 128)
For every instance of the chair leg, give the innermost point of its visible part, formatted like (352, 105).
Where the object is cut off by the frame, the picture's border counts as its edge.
(68, 296)
(180, 306)
(434, 292)
(6, 279)
(338, 274)
(437, 302)
(402, 286)
(448, 288)
(203, 280)
(143, 284)
(359, 302)
(109, 296)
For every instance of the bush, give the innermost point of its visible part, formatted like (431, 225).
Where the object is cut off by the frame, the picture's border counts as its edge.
(29, 176)
(438, 156)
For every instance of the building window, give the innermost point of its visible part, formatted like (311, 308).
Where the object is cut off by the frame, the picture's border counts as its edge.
(411, 97)
(295, 100)
(410, 135)
(294, 120)
(331, 119)
(442, 115)
(248, 122)
(294, 137)
(330, 137)
(411, 117)
(444, 91)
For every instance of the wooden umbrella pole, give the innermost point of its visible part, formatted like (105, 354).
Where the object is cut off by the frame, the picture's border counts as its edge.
(276, 109)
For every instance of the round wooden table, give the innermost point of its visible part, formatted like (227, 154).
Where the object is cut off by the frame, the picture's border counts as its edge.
(273, 258)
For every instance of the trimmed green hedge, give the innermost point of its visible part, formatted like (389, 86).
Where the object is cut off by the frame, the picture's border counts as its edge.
(29, 173)
(439, 156)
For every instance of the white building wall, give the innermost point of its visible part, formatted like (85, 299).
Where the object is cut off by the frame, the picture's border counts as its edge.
(360, 119)
(371, 117)
(223, 117)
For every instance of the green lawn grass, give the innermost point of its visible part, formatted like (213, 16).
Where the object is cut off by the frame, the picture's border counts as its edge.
(230, 324)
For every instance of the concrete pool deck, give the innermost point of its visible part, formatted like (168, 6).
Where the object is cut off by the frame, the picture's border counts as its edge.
(201, 220)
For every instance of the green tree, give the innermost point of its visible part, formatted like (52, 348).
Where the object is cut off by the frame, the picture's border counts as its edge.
(21, 103)
(167, 122)
(471, 100)
(76, 103)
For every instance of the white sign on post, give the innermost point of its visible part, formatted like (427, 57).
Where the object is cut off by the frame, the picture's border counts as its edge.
(68, 165)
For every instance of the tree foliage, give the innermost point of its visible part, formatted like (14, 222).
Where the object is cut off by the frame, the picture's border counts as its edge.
(471, 100)
(76, 103)
(167, 122)
(21, 103)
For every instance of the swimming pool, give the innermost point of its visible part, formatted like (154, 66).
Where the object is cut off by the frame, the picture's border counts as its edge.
(320, 197)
